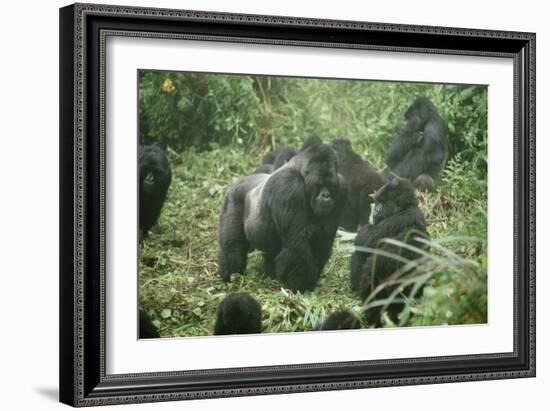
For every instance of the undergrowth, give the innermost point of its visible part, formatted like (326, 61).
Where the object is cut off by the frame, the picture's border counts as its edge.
(216, 129)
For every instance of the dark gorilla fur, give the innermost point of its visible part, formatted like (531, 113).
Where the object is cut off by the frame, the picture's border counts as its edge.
(361, 179)
(311, 141)
(340, 320)
(420, 150)
(275, 159)
(396, 216)
(155, 177)
(146, 327)
(238, 314)
(290, 215)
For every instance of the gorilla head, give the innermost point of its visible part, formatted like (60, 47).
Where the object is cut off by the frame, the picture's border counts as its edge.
(238, 313)
(311, 141)
(155, 176)
(396, 216)
(340, 320)
(343, 149)
(393, 197)
(419, 113)
(361, 180)
(317, 165)
(290, 215)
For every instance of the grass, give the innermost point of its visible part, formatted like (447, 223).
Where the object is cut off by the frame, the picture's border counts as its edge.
(217, 127)
(180, 287)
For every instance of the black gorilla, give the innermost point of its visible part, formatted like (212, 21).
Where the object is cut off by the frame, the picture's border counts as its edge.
(155, 177)
(238, 314)
(146, 327)
(311, 141)
(340, 320)
(396, 216)
(290, 215)
(361, 179)
(275, 159)
(419, 152)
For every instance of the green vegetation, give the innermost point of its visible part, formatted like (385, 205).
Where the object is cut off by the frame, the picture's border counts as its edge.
(216, 129)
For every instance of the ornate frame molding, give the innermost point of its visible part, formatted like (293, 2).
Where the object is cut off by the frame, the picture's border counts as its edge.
(83, 43)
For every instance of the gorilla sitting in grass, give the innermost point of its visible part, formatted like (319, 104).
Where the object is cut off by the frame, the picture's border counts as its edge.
(396, 216)
(419, 152)
(290, 215)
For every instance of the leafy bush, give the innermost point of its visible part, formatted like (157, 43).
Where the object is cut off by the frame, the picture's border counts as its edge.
(188, 109)
(216, 128)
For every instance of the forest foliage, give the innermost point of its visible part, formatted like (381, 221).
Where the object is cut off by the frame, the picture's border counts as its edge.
(215, 129)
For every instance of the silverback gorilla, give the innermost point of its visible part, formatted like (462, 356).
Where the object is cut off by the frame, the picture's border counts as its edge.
(290, 215)
(361, 179)
(419, 152)
(155, 176)
(396, 216)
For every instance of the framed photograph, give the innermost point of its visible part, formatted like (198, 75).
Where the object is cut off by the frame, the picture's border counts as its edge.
(261, 204)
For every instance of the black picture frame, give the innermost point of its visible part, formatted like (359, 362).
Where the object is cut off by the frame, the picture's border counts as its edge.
(83, 381)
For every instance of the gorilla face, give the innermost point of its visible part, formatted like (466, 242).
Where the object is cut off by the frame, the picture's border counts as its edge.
(154, 170)
(155, 176)
(417, 115)
(321, 179)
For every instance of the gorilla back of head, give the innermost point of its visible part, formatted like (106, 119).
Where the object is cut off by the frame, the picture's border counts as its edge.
(146, 327)
(311, 141)
(275, 159)
(420, 149)
(396, 216)
(361, 180)
(155, 176)
(340, 320)
(238, 314)
(290, 215)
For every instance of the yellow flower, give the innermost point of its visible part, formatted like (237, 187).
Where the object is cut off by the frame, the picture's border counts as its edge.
(168, 86)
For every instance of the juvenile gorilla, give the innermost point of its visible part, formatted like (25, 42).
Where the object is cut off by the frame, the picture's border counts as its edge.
(290, 215)
(155, 177)
(419, 152)
(275, 159)
(238, 314)
(396, 216)
(146, 327)
(361, 180)
(340, 320)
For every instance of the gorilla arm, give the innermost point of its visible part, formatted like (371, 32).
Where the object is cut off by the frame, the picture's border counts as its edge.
(295, 263)
(405, 141)
(420, 160)
(399, 149)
